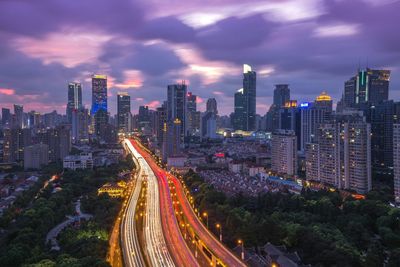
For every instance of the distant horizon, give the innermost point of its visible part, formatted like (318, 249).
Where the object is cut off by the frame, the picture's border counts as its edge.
(142, 46)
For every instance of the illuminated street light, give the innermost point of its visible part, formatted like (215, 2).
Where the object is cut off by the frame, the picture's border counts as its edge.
(220, 231)
(240, 242)
(205, 215)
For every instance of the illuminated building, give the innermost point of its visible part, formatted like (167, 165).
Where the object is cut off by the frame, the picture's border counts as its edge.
(172, 139)
(123, 111)
(193, 116)
(369, 86)
(74, 162)
(341, 156)
(99, 93)
(396, 161)
(176, 105)
(74, 99)
(245, 102)
(112, 189)
(313, 114)
(284, 152)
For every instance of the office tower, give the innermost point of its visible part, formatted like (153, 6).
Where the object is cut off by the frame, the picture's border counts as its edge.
(172, 139)
(80, 126)
(239, 117)
(284, 152)
(5, 117)
(312, 114)
(396, 161)
(281, 98)
(123, 111)
(289, 118)
(99, 93)
(19, 116)
(192, 116)
(74, 99)
(212, 106)
(281, 94)
(35, 156)
(382, 116)
(343, 153)
(161, 118)
(245, 102)
(100, 122)
(209, 125)
(367, 87)
(176, 105)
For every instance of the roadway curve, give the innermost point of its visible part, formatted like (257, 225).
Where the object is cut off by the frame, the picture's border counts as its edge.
(219, 250)
(177, 246)
(129, 236)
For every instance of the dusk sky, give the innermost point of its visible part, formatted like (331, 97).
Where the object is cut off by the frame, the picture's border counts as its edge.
(142, 46)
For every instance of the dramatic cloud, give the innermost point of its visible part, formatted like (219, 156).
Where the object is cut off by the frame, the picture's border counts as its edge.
(142, 46)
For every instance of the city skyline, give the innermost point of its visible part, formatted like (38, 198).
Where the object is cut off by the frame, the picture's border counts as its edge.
(163, 45)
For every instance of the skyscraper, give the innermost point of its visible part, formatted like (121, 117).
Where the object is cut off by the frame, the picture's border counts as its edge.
(209, 125)
(312, 114)
(367, 87)
(123, 111)
(192, 116)
(99, 93)
(284, 152)
(171, 139)
(161, 118)
(80, 126)
(281, 95)
(396, 161)
(245, 101)
(176, 105)
(19, 116)
(239, 116)
(5, 117)
(74, 99)
(212, 106)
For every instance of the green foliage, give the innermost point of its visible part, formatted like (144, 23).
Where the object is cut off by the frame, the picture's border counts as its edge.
(324, 228)
(23, 245)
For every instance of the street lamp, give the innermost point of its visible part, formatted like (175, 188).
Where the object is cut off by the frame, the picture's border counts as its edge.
(220, 231)
(240, 242)
(205, 215)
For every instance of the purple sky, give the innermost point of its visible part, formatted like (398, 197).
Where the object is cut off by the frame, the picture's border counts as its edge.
(313, 45)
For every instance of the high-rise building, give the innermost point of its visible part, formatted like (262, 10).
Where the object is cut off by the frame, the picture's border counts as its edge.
(15, 141)
(99, 93)
(19, 116)
(209, 125)
(80, 126)
(367, 87)
(212, 106)
(281, 95)
(396, 161)
(123, 111)
(176, 105)
(161, 119)
(5, 117)
(382, 116)
(245, 101)
(74, 99)
(239, 117)
(36, 156)
(192, 116)
(341, 155)
(59, 141)
(171, 139)
(312, 114)
(284, 152)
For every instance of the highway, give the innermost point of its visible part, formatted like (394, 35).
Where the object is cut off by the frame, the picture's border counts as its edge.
(224, 255)
(182, 256)
(129, 236)
(156, 250)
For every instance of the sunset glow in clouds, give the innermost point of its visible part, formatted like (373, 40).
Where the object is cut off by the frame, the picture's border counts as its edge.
(142, 46)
